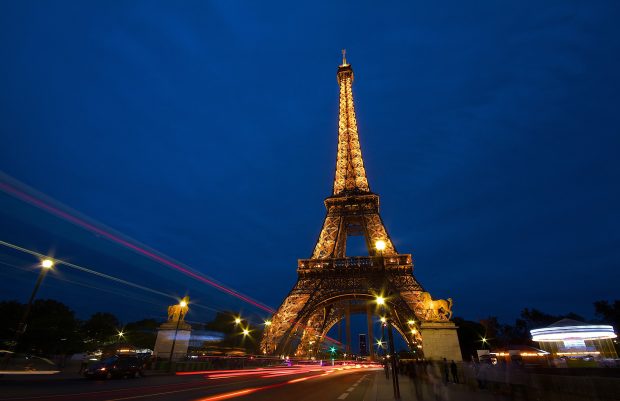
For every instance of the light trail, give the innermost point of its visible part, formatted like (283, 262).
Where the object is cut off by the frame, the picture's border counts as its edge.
(59, 262)
(5, 185)
(84, 269)
(272, 372)
(20, 194)
(87, 285)
(246, 391)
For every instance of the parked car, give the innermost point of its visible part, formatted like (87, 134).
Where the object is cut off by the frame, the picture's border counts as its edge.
(116, 366)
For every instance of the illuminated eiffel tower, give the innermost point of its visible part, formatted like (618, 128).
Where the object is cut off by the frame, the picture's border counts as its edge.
(332, 286)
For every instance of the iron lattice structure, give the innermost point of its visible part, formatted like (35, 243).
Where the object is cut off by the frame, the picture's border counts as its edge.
(331, 285)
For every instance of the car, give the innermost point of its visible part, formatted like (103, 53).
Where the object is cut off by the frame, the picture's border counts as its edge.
(116, 366)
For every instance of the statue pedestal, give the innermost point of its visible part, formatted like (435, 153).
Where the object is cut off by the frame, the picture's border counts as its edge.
(439, 340)
(165, 337)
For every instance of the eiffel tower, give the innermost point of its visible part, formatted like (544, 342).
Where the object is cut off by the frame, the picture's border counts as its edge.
(332, 286)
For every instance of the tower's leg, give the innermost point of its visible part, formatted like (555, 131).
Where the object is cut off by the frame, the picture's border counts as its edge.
(348, 327)
(371, 337)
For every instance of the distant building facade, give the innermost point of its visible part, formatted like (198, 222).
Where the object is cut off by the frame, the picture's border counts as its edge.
(363, 345)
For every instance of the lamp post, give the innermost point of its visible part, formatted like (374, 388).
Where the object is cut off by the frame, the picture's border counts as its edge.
(394, 367)
(46, 265)
(182, 305)
(380, 245)
(385, 354)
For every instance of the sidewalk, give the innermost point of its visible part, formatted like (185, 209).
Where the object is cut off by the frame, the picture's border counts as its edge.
(381, 390)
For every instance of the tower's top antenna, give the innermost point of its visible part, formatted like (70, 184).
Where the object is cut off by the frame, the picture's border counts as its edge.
(344, 57)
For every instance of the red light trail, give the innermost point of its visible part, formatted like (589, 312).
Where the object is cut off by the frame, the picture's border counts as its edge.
(22, 194)
(293, 371)
(114, 238)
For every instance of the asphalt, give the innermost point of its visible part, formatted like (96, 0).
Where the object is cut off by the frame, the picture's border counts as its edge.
(326, 384)
(279, 383)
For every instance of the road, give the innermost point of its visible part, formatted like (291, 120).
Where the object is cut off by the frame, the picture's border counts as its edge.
(282, 384)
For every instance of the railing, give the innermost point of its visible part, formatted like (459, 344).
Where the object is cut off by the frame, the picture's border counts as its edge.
(393, 262)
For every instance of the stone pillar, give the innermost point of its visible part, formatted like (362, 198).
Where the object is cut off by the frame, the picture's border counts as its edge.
(165, 336)
(439, 340)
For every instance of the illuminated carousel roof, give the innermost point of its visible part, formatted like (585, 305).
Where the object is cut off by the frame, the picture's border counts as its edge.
(568, 329)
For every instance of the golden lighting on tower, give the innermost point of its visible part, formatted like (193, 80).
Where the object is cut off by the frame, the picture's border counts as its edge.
(380, 245)
(350, 172)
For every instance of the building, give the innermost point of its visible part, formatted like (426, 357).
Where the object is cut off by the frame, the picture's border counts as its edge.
(363, 345)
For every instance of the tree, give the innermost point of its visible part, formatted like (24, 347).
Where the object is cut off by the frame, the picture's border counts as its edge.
(11, 312)
(102, 328)
(52, 329)
(535, 319)
(142, 333)
(517, 334)
(608, 313)
(224, 322)
(470, 335)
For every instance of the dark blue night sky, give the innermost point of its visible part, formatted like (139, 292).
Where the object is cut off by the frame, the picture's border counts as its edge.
(207, 131)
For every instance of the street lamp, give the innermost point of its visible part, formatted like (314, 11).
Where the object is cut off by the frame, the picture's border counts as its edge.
(392, 352)
(182, 305)
(246, 332)
(46, 265)
(387, 321)
(267, 322)
(237, 320)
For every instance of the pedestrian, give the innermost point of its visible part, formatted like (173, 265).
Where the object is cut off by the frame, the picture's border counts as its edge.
(415, 377)
(386, 367)
(455, 375)
(83, 363)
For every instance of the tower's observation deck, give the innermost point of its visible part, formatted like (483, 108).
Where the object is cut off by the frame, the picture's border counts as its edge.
(355, 265)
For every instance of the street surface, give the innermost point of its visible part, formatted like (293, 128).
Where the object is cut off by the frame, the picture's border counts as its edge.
(310, 383)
